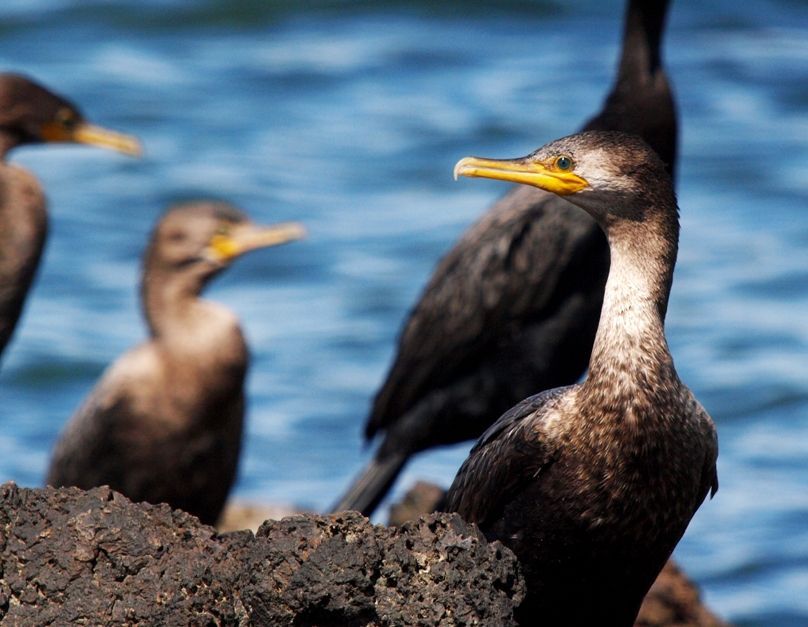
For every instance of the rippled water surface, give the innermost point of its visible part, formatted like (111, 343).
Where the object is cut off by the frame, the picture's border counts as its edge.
(349, 117)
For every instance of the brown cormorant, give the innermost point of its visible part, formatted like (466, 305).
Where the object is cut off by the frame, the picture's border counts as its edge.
(164, 424)
(593, 484)
(513, 307)
(31, 114)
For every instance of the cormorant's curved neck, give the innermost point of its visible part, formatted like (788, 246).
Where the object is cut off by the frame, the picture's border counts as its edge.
(631, 333)
(168, 300)
(641, 100)
(199, 341)
(645, 23)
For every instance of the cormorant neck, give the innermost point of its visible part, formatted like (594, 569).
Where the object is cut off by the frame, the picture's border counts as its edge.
(631, 332)
(641, 100)
(168, 300)
(198, 340)
(645, 22)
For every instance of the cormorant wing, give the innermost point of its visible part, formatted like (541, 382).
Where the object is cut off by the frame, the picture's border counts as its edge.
(519, 263)
(89, 450)
(709, 481)
(510, 454)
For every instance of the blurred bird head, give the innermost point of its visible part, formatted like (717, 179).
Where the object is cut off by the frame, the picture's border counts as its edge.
(30, 113)
(202, 238)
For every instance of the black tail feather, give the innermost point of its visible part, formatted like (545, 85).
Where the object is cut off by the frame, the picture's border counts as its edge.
(371, 486)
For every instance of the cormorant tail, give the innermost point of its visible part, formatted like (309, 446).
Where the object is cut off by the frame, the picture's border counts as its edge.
(369, 488)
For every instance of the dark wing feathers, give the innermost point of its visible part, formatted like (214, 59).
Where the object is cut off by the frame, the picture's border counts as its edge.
(710, 471)
(517, 413)
(88, 450)
(505, 272)
(510, 455)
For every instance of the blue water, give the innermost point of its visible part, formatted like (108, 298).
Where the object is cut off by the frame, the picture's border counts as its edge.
(349, 117)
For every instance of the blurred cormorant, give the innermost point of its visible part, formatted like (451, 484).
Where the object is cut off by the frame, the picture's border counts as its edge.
(164, 423)
(30, 114)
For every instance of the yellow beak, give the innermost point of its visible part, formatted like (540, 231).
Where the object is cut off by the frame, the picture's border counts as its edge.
(84, 133)
(246, 237)
(524, 171)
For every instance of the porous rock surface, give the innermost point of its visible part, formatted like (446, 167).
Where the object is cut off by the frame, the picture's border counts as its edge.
(88, 558)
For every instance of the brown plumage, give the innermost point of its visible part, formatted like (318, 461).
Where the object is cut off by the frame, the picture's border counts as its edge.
(592, 485)
(513, 307)
(164, 424)
(30, 114)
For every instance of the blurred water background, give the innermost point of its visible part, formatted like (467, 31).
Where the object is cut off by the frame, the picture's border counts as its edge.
(349, 116)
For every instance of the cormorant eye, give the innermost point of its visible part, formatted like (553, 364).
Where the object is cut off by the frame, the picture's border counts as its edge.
(564, 163)
(223, 230)
(175, 236)
(67, 119)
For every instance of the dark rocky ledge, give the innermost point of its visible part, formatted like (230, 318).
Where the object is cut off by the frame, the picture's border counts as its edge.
(89, 558)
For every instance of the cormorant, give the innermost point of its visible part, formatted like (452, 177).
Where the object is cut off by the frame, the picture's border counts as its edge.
(593, 484)
(513, 307)
(29, 114)
(164, 423)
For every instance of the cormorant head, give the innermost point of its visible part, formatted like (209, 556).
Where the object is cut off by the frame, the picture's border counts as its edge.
(201, 238)
(613, 176)
(30, 113)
